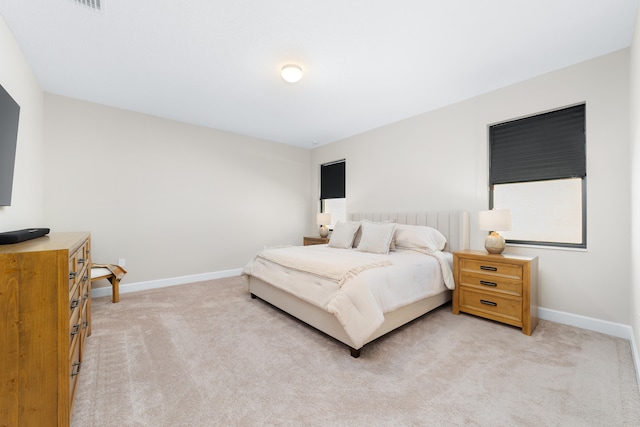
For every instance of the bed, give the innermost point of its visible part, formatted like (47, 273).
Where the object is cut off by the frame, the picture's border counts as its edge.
(356, 296)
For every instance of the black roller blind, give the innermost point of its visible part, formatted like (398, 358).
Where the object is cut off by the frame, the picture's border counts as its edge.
(332, 181)
(547, 146)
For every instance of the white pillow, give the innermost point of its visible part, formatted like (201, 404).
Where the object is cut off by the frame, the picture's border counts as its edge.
(376, 237)
(356, 240)
(419, 237)
(342, 235)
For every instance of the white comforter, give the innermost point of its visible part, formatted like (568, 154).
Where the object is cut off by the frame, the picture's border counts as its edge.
(356, 287)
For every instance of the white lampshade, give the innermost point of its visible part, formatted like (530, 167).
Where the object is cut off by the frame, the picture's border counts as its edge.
(495, 220)
(291, 73)
(323, 218)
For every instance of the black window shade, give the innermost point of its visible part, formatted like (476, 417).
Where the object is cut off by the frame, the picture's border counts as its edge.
(332, 180)
(547, 146)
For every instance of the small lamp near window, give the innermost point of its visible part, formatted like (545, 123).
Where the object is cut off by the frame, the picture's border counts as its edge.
(322, 220)
(495, 220)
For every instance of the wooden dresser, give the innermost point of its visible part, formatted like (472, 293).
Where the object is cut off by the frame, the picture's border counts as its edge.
(45, 318)
(498, 287)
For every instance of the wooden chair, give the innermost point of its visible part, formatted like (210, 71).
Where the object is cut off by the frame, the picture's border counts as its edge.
(113, 273)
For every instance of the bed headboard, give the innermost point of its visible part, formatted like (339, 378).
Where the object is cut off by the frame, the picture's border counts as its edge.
(453, 224)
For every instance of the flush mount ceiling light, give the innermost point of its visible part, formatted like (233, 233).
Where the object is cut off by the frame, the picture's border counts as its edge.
(291, 73)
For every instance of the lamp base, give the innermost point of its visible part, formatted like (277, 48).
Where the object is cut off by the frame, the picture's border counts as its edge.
(324, 231)
(494, 243)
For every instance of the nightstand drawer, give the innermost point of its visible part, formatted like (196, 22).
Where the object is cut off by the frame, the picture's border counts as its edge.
(491, 267)
(509, 310)
(307, 241)
(488, 283)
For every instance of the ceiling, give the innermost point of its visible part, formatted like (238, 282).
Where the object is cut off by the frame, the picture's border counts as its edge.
(366, 63)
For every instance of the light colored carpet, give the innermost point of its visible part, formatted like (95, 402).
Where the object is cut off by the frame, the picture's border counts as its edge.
(206, 354)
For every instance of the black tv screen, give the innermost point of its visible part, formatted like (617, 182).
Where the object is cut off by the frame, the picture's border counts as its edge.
(9, 117)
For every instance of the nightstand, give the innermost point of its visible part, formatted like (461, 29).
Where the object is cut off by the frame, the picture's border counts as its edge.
(314, 240)
(497, 287)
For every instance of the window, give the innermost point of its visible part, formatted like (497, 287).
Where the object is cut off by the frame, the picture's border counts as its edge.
(538, 170)
(332, 191)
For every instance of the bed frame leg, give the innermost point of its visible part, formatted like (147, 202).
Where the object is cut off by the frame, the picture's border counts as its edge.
(354, 353)
(253, 296)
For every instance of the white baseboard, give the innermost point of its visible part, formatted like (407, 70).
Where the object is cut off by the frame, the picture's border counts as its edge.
(610, 328)
(603, 326)
(161, 283)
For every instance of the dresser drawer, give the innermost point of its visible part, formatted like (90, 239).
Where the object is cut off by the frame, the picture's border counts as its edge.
(75, 323)
(79, 264)
(491, 267)
(508, 309)
(85, 284)
(85, 290)
(488, 283)
(73, 270)
(84, 325)
(75, 297)
(74, 367)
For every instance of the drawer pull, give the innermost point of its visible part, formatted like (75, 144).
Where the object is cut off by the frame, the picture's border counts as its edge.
(73, 274)
(75, 329)
(485, 302)
(488, 268)
(85, 324)
(484, 282)
(75, 368)
(82, 260)
(74, 303)
(85, 278)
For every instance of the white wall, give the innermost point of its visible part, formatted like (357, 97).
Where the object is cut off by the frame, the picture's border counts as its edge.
(438, 160)
(26, 208)
(171, 199)
(635, 183)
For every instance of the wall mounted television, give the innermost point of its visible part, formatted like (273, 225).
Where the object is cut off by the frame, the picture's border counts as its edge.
(9, 118)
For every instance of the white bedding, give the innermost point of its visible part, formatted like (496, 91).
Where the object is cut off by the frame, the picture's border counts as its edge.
(360, 295)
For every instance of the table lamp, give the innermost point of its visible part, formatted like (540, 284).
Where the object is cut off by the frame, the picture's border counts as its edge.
(322, 220)
(494, 220)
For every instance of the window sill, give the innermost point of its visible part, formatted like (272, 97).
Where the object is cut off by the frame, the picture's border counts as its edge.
(555, 248)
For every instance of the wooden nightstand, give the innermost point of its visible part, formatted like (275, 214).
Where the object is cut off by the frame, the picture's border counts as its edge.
(498, 287)
(314, 240)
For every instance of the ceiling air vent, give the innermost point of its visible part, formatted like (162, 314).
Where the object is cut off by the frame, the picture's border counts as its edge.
(96, 5)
